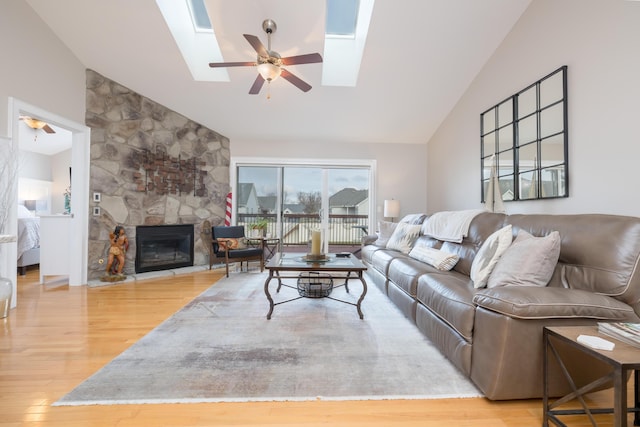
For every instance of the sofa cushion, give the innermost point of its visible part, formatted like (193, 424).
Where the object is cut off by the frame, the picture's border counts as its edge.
(403, 237)
(529, 261)
(489, 254)
(385, 231)
(530, 302)
(405, 271)
(381, 259)
(439, 259)
(599, 253)
(449, 295)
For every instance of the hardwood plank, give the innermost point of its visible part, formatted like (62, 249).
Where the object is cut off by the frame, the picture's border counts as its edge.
(60, 335)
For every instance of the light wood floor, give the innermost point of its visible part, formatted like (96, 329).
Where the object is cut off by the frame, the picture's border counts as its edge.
(59, 335)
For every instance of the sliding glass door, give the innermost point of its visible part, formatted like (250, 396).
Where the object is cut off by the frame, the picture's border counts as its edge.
(295, 199)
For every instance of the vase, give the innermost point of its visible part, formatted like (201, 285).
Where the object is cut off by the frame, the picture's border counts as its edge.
(6, 290)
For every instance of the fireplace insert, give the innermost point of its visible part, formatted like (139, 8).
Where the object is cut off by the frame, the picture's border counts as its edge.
(163, 247)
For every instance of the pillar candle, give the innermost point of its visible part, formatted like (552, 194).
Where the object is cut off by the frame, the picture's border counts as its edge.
(315, 242)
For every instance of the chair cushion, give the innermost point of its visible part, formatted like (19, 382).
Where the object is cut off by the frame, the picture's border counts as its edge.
(244, 253)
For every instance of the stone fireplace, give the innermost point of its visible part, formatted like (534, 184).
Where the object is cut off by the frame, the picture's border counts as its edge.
(151, 166)
(163, 247)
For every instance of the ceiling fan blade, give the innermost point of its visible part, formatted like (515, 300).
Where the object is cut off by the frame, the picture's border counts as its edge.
(230, 64)
(309, 58)
(296, 81)
(257, 85)
(48, 129)
(257, 45)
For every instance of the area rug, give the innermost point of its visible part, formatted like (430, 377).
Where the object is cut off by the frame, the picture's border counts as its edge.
(221, 348)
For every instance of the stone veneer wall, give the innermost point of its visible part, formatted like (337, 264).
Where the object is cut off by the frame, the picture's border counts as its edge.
(123, 125)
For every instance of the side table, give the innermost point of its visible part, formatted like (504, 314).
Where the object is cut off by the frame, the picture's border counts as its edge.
(270, 245)
(622, 359)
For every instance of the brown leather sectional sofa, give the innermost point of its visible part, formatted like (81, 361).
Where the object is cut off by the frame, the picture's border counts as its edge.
(494, 335)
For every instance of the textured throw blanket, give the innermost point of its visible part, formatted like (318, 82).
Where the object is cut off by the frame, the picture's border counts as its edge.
(450, 226)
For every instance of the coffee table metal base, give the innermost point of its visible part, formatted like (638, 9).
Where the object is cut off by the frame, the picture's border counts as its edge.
(280, 277)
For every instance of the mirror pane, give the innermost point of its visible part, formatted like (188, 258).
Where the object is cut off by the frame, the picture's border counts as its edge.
(551, 120)
(505, 138)
(505, 163)
(528, 186)
(552, 150)
(553, 184)
(485, 188)
(527, 157)
(528, 129)
(489, 121)
(527, 102)
(551, 90)
(505, 113)
(489, 144)
(506, 187)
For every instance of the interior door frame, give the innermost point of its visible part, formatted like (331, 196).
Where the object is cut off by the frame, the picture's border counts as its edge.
(320, 163)
(80, 148)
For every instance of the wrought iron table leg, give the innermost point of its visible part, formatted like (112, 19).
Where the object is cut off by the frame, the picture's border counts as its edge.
(364, 292)
(266, 291)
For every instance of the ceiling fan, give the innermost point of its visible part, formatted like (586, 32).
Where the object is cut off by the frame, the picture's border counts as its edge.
(37, 124)
(270, 63)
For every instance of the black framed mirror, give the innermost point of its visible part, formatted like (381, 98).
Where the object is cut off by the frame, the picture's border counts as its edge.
(528, 135)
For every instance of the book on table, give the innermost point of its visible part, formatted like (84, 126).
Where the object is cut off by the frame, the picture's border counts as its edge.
(624, 331)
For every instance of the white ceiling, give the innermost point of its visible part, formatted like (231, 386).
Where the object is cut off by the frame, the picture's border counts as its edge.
(420, 57)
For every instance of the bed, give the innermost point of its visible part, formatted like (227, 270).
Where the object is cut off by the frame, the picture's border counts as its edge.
(28, 239)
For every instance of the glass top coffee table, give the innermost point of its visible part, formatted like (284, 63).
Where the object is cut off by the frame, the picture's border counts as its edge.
(284, 265)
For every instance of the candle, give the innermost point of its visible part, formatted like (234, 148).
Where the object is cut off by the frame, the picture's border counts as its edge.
(315, 242)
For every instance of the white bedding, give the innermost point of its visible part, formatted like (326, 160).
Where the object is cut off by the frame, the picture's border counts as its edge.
(28, 234)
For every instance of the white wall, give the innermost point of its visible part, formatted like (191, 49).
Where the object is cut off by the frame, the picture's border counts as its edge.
(60, 164)
(36, 67)
(599, 40)
(401, 168)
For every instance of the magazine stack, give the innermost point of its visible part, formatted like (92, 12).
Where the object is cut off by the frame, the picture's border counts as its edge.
(628, 333)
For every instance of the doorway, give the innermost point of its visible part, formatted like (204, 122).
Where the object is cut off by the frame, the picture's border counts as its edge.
(79, 180)
(294, 198)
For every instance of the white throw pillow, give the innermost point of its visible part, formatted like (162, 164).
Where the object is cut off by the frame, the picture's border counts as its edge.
(439, 259)
(529, 261)
(403, 237)
(488, 255)
(386, 229)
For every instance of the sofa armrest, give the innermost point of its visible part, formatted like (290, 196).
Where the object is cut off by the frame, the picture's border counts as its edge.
(529, 302)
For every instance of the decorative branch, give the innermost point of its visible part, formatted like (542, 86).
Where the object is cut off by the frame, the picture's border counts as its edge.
(8, 176)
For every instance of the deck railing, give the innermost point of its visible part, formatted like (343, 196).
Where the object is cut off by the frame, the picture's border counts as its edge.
(296, 228)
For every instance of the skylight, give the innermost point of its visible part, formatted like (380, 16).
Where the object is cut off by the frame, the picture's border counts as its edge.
(343, 54)
(342, 17)
(199, 15)
(347, 26)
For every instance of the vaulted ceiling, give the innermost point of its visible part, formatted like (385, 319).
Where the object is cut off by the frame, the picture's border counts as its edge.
(419, 58)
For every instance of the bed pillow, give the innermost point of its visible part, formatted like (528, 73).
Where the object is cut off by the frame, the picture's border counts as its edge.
(403, 237)
(439, 259)
(23, 212)
(386, 230)
(529, 261)
(488, 255)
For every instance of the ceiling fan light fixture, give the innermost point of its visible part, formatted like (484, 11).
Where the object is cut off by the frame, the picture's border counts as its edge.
(269, 71)
(34, 123)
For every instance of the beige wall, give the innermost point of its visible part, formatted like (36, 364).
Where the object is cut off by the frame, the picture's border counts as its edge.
(36, 67)
(598, 40)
